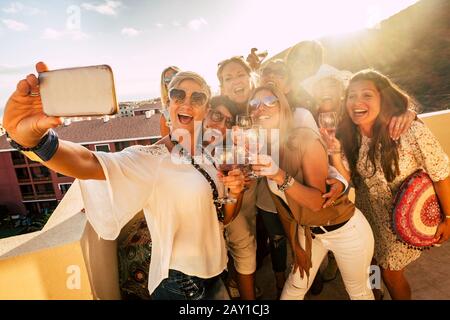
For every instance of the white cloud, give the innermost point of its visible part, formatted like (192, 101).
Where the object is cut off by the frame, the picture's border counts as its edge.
(53, 34)
(159, 25)
(176, 24)
(15, 25)
(196, 24)
(131, 32)
(108, 8)
(78, 35)
(18, 7)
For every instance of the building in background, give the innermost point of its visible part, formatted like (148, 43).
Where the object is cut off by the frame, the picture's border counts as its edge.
(131, 109)
(27, 187)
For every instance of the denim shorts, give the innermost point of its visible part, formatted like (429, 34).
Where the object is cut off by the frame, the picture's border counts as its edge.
(180, 286)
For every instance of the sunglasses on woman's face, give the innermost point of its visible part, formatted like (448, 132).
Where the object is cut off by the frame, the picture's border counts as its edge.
(217, 116)
(178, 96)
(269, 101)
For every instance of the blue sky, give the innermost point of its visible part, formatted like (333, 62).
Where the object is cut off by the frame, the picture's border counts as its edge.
(140, 38)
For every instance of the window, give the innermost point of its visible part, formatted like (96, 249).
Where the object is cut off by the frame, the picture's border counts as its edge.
(121, 145)
(40, 173)
(44, 190)
(64, 187)
(22, 175)
(27, 192)
(17, 158)
(102, 147)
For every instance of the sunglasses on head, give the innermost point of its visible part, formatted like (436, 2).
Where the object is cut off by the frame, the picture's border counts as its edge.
(269, 101)
(217, 116)
(198, 99)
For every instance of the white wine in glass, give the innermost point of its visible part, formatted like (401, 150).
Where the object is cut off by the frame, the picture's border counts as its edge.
(244, 122)
(329, 122)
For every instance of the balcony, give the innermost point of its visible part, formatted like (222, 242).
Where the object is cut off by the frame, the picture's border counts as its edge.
(68, 260)
(23, 180)
(45, 195)
(28, 196)
(18, 159)
(42, 178)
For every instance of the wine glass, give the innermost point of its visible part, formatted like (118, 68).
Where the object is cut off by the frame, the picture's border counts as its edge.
(243, 160)
(225, 161)
(244, 122)
(328, 121)
(253, 147)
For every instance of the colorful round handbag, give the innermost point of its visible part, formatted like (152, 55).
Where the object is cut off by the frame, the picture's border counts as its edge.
(417, 212)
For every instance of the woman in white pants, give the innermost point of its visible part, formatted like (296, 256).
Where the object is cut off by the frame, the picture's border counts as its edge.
(352, 246)
(297, 183)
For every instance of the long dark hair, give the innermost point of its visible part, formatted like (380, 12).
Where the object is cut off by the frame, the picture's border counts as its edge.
(393, 102)
(231, 106)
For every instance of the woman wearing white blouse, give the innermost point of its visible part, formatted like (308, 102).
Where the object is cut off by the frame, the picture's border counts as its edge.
(174, 191)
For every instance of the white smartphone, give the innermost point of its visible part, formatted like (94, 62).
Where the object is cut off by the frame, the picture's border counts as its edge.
(77, 92)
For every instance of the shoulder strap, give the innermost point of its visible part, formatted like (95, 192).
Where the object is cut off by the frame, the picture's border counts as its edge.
(219, 207)
(212, 184)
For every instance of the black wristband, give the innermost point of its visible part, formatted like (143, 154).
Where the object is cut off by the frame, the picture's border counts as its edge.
(43, 151)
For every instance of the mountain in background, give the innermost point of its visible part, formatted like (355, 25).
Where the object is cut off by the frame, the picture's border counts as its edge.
(412, 47)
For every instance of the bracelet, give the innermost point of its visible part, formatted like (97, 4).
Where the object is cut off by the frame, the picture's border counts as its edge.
(287, 183)
(334, 151)
(43, 151)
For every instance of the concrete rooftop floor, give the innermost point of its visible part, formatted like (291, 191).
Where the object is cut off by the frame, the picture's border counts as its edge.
(429, 278)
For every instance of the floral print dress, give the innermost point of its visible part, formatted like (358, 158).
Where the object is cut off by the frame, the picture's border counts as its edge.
(418, 149)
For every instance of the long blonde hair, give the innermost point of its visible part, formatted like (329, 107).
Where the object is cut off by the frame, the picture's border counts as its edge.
(164, 89)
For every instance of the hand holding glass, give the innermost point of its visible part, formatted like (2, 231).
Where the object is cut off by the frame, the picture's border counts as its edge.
(329, 121)
(225, 161)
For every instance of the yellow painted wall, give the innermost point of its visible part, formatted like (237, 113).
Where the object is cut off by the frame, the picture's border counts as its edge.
(44, 275)
(439, 124)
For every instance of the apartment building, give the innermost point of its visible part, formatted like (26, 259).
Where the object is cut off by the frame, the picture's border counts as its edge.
(27, 187)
